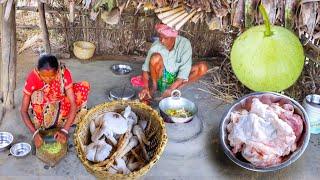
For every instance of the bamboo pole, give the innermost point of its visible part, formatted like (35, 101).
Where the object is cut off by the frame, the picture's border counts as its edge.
(65, 24)
(83, 22)
(9, 59)
(98, 32)
(43, 27)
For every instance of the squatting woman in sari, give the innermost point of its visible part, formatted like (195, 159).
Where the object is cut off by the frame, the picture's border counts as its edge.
(55, 100)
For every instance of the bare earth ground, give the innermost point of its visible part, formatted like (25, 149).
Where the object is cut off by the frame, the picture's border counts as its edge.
(199, 158)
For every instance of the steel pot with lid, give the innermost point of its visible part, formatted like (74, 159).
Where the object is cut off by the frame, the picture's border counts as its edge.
(176, 102)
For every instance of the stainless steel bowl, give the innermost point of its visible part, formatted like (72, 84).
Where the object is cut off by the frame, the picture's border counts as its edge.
(121, 69)
(6, 139)
(301, 145)
(20, 149)
(177, 102)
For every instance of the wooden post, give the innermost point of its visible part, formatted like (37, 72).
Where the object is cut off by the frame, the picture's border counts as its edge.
(43, 26)
(65, 23)
(1, 17)
(9, 56)
(84, 31)
(1, 94)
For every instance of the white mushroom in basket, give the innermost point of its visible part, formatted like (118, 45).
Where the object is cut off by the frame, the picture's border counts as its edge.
(130, 116)
(95, 123)
(132, 143)
(143, 124)
(137, 130)
(127, 140)
(103, 151)
(98, 151)
(115, 122)
(121, 166)
(111, 124)
(91, 151)
(101, 130)
(93, 126)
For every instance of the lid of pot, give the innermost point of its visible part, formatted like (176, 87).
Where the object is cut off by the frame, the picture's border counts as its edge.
(124, 93)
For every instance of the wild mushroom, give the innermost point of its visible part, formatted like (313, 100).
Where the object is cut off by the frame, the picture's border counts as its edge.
(98, 151)
(101, 130)
(110, 136)
(130, 116)
(115, 122)
(98, 130)
(125, 158)
(127, 140)
(143, 124)
(121, 166)
(103, 151)
(137, 130)
(91, 151)
(132, 143)
(95, 123)
(111, 124)
(92, 127)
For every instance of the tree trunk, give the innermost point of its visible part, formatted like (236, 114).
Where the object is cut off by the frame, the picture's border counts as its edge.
(9, 58)
(43, 27)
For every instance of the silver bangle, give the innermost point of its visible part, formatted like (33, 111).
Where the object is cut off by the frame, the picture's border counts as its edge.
(64, 130)
(35, 133)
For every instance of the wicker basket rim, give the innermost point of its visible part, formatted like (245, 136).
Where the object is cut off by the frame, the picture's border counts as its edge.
(142, 171)
(79, 44)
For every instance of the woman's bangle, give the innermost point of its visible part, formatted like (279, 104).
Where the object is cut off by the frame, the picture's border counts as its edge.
(65, 131)
(35, 133)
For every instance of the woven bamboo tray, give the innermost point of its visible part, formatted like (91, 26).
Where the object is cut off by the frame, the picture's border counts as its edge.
(156, 134)
(51, 159)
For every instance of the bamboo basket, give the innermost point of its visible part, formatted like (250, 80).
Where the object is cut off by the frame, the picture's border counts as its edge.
(51, 159)
(156, 135)
(83, 49)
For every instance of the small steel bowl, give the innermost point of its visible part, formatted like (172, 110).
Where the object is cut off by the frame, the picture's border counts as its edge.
(20, 149)
(121, 69)
(301, 144)
(6, 139)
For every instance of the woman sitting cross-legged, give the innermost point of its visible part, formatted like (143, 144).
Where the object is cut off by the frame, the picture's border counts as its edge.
(56, 101)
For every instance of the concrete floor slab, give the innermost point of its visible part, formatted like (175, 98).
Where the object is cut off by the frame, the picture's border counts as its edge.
(208, 163)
